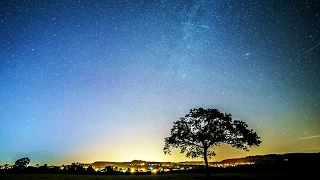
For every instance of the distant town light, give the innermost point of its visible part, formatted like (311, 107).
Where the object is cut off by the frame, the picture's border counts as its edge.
(132, 170)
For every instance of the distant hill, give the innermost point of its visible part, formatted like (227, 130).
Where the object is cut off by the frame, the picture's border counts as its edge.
(291, 157)
(268, 158)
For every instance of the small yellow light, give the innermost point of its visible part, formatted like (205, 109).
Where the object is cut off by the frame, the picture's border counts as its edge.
(154, 171)
(132, 170)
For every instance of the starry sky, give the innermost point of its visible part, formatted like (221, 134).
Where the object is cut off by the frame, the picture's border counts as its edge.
(82, 81)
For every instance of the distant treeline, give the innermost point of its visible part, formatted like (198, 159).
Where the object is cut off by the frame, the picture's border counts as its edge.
(295, 162)
(284, 167)
(74, 168)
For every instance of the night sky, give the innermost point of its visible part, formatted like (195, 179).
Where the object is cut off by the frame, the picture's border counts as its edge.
(82, 81)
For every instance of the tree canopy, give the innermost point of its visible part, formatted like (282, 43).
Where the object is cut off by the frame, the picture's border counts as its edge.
(201, 129)
(21, 163)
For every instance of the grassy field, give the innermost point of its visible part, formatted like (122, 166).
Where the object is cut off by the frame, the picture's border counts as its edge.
(147, 177)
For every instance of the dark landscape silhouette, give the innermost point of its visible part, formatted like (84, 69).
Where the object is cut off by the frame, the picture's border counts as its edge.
(294, 164)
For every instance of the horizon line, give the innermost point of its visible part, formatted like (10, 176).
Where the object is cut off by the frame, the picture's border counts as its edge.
(300, 152)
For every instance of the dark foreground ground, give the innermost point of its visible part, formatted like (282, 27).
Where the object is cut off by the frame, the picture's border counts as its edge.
(226, 176)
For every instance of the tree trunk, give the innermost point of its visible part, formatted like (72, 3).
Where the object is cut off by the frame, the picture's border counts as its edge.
(207, 164)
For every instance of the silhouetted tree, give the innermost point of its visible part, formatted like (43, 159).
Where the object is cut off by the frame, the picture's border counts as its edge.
(199, 131)
(80, 168)
(76, 167)
(6, 166)
(109, 169)
(90, 169)
(21, 163)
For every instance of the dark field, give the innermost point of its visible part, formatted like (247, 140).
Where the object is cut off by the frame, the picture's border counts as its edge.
(151, 177)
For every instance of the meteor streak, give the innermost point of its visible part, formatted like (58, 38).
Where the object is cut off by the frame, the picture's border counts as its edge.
(313, 48)
(311, 137)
